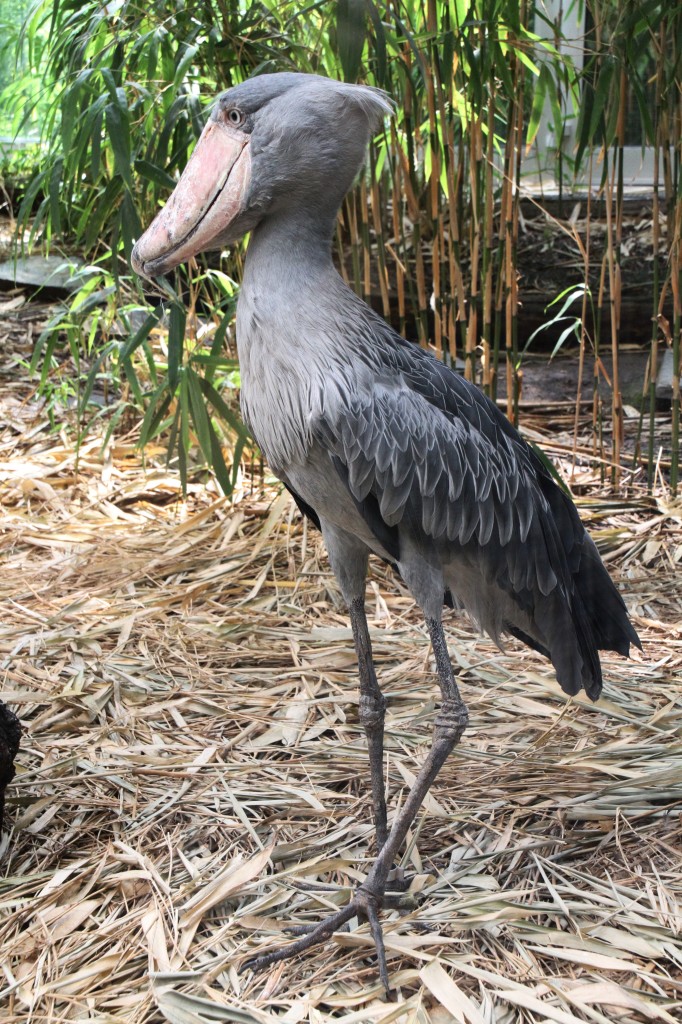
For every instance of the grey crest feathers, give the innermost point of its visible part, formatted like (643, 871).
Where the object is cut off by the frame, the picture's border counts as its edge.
(309, 138)
(256, 93)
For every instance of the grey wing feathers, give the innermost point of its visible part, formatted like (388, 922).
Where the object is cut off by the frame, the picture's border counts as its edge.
(436, 471)
(421, 450)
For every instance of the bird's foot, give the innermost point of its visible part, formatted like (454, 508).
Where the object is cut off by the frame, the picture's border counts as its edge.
(365, 904)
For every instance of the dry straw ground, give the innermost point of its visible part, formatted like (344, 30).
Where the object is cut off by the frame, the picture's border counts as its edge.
(192, 759)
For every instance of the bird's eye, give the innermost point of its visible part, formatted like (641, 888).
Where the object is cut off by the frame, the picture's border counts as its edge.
(235, 116)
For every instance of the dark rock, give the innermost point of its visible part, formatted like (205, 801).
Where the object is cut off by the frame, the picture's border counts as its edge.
(57, 273)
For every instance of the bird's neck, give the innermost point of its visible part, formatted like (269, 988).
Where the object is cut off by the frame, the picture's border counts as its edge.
(289, 255)
(290, 330)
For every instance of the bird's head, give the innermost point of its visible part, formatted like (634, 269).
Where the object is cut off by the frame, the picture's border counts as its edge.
(271, 143)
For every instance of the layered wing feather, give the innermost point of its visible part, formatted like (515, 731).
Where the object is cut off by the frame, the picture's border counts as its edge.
(438, 475)
(423, 451)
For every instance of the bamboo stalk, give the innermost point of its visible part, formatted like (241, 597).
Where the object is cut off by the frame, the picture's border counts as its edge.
(614, 307)
(486, 338)
(475, 157)
(366, 243)
(583, 315)
(398, 241)
(656, 231)
(377, 223)
(676, 282)
(434, 202)
(518, 152)
(340, 246)
(355, 243)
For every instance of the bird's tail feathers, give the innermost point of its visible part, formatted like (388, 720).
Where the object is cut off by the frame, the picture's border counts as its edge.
(570, 642)
(604, 605)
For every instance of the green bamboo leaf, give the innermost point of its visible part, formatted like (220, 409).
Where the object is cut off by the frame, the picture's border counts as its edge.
(549, 467)
(173, 436)
(237, 453)
(55, 186)
(100, 210)
(558, 118)
(643, 107)
(132, 378)
(415, 50)
(47, 358)
(184, 411)
(118, 132)
(131, 229)
(218, 466)
(184, 64)
(573, 328)
(36, 186)
(197, 408)
(159, 404)
(49, 331)
(151, 172)
(379, 42)
(113, 423)
(141, 334)
(570, 295)
(219, 337)
(602, 91)
(92, 377)
(459, 10)
(197, 115)
(68, 111)
(182, 466)
(222, 408)
(90, 298)
(176, 340)
(574, 293)
(612, 115)
(152, 55)
(538, 105)
(213, 363)
(96, 145)
(110, 82)
(525, 60)
(350, 36)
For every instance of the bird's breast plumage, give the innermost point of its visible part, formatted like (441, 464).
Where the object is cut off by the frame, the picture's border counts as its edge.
(292, 366)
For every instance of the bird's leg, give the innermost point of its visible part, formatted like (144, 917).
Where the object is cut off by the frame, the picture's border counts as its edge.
(372, 712)
(348, 557)
(451, 721)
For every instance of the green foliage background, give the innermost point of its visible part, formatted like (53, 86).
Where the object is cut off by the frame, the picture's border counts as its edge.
(125, 88)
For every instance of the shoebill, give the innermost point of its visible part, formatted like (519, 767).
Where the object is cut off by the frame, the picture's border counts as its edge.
(384, 447)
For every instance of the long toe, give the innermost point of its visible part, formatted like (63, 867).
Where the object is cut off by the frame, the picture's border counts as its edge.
(317, 886)
(306, 929)
(364, 904)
